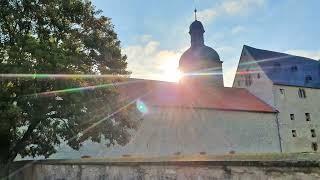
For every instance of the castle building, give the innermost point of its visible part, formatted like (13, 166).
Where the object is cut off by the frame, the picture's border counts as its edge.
(291, 85)
(273, 106)
(199, 115)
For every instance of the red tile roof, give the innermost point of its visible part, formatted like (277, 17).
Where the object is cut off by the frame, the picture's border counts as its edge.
(167, 94)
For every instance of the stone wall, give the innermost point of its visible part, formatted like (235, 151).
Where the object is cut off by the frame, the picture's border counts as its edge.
(206, 168)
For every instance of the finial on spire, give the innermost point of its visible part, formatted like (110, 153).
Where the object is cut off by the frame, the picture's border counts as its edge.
(195, 13)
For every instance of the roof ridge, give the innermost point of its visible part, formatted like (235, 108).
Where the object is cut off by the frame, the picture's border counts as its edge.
(249, 48)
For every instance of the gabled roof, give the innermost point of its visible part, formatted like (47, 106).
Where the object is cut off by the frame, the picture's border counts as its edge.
(167, 94)
(286, 69)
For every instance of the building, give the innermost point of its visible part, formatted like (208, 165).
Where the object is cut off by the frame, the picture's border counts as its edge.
(291, 85)
(199, 115)
(273, 106)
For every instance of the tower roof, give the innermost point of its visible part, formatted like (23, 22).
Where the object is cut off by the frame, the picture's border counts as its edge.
(196, 26)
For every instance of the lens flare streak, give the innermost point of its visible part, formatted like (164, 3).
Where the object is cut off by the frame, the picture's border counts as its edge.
(70, 90)
(60, 76)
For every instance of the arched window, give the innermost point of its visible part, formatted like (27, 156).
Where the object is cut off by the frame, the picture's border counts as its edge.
(302, 93)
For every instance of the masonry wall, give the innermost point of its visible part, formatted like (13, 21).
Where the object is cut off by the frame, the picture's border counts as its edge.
(290, 103)
(185, 131)
(182, 171)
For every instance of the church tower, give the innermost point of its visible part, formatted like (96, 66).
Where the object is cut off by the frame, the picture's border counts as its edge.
(200, 64)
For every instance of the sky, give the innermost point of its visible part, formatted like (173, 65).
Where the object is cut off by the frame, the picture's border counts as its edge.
(154, 33)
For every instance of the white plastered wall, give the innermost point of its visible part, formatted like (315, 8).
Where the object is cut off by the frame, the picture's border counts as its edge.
(187, 131)
(291, 103)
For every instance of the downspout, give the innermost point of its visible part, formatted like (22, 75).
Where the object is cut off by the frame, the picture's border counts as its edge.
(278, 128)
(277, 118)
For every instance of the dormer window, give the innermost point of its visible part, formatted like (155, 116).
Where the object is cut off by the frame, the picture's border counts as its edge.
(294, 68)
(308, 79)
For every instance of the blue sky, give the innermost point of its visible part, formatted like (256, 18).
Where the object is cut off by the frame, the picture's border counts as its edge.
(154, 33)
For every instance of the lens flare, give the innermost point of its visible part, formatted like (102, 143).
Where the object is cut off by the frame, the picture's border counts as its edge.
(141, 106)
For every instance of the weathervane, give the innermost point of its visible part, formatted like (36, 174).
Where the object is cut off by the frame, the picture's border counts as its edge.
(195, 9)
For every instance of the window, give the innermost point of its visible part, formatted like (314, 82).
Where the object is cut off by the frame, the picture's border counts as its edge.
(258, 75)
(248, 79)
(308, 117)
(308, 79)
(292, 116)
(302, 93)
(314, 146)
(282, 91)
(239, 83)
(294, 68)
(313, 133)
(294, 133)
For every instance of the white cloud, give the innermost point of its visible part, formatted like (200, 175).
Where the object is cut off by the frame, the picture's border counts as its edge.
(148, 61)
(239, 7)
(230, 8)
(238, 29)
(207, 15)
(145, 38)
(305, 53)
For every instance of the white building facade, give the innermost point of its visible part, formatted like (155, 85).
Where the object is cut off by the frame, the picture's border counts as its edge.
(291, 85)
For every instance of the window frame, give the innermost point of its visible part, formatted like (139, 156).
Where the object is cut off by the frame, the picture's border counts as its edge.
(294, 133)
(292, 117)
(302, 93)
(307, 116)
(313, 133)
(314, 146)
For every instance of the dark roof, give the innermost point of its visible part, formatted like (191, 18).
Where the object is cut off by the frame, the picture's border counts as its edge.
(168, 94)
(198, 58)
(286, 69)
(196, 26)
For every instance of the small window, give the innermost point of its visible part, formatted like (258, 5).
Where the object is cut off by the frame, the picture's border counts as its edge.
(308, 117)
(239, 83)
(258, 76)
(282, 91)
(294, 68)
(294, 133)
(292, 116)
(248, 79)
(302, 93)
(314, 146)
(308, 79)
(313, 133)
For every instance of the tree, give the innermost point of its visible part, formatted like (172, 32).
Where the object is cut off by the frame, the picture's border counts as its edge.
(57, 37)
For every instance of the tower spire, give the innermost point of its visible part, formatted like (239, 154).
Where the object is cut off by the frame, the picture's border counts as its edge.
(195, 13)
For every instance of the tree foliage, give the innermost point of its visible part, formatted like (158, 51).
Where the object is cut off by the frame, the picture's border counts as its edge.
(57, 37)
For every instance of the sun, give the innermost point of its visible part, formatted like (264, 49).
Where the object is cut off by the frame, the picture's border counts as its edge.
(173, 75)
(169, 66)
